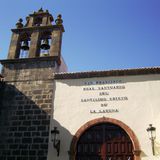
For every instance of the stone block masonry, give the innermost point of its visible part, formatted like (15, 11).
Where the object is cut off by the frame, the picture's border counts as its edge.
(25, 120)
(25, 110)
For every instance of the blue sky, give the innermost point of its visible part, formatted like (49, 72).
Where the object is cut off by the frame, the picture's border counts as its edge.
(99, 34)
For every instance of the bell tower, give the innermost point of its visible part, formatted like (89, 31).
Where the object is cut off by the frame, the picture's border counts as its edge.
(33, 58)
(39, 37)
(36, 47)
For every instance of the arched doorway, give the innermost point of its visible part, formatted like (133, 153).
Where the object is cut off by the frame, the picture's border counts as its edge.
(105, 139)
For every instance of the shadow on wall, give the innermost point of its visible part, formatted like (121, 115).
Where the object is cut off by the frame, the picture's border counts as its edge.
(65, 141)
(24, 124)
(157, 148)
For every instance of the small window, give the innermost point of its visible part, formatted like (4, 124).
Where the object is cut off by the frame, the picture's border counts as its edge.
(38, 21)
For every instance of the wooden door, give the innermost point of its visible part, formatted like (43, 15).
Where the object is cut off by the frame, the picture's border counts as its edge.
(104, 141)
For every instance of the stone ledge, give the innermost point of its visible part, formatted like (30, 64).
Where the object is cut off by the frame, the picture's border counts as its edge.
(51, 27)
(36, 59)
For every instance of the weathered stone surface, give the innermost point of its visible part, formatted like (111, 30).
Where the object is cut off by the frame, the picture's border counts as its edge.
(25, 111)
(29, 70)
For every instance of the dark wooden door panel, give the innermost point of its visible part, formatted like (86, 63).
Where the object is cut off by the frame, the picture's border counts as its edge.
(104, 141)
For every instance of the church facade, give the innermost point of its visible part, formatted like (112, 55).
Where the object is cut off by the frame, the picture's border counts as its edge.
(104, 115)
(47, 113)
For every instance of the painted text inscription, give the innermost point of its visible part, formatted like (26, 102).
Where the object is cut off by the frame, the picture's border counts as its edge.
(103, 91)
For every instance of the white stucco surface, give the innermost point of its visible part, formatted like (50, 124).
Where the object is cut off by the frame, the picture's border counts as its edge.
(138, 105)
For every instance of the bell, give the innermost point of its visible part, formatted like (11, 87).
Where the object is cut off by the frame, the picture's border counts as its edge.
(25, 46)
(45, 44)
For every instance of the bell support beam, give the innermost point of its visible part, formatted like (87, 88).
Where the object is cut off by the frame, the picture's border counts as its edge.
(35, 44)
(14, 46)
(44, 20)
(56, 41)
(30, 22)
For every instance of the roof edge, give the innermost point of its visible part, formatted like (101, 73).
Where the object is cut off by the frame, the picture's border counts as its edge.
(108, 73)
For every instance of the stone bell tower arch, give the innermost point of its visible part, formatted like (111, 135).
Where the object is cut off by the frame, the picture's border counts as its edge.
(37, 31)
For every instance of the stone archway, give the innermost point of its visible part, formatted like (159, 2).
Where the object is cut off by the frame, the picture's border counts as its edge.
(130, 133)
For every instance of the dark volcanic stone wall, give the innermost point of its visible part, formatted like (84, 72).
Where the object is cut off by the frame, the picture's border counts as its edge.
(2, 85)
(25, 111)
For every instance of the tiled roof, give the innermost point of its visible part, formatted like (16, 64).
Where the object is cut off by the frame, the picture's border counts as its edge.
(108, 73)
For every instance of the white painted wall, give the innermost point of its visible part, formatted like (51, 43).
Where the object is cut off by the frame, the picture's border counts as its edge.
(141, 109)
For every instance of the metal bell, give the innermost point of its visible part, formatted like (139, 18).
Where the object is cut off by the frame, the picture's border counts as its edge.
(45, 44)
(25, 46)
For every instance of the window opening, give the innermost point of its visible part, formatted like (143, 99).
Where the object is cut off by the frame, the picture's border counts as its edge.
(45, 46)
(24, 50)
